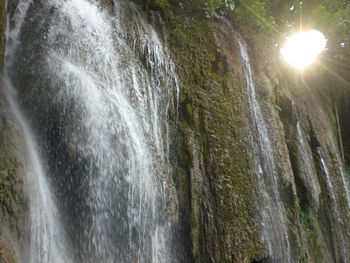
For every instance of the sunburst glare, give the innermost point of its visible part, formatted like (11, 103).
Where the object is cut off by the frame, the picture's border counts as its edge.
(302, 49)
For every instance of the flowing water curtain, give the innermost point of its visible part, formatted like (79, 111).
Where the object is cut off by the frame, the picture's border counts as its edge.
(336, 217)
(308, 166)
(274, 229)
(110, 120)
(47, 238)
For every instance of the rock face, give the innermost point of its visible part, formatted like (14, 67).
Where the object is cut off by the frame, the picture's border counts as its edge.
(217, 186)
(14, 201)
(213, 154)
(14, 230)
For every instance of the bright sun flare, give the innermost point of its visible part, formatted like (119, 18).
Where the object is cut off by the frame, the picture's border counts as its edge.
(303, 48)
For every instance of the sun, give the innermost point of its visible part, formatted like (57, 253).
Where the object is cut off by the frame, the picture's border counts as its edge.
(302, 49)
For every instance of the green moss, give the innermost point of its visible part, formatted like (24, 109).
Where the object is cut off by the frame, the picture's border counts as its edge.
(212, 115)
(308, 222)
(213, 137)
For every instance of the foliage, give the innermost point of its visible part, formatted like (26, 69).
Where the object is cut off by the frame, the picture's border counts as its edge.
(162, 4)
(329, 16)
(334, 19)
(308, 222)
(213, 5)
(306, 219)
(275, 19)
(253, 15)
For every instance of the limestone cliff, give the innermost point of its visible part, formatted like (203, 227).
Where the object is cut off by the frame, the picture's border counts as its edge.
(213, 154)
(215, 175)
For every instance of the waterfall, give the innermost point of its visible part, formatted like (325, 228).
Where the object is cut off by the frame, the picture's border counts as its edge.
(274, 230)
(345, 183)
(339, 162)
(14, 29)
(97, 92)
(47, 237)
(307, 164)
(330, 187)
(337, 221)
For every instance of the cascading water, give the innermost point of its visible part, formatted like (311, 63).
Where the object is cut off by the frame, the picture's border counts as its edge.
(308, 168)
(336, 215)
(330, 186)
(340, 165)
(345, 183)
(97, 93)
(274, 230)
(47, 238)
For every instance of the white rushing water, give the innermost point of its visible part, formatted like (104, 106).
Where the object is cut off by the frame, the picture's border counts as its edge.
(112, 86)
(336, 213)
(345, 182)
(274, 230)
(340, 168)
(307, 166)
(47, 238)
(330, 187)
(14, 29)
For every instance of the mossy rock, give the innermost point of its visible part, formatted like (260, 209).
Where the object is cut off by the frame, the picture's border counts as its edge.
(7, 252)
